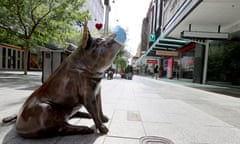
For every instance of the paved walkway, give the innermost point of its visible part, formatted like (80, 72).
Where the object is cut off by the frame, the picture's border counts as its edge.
(216, 87)
(138, 108)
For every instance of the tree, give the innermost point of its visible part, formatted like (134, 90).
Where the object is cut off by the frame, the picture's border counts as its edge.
(34, 22)
(120, 61)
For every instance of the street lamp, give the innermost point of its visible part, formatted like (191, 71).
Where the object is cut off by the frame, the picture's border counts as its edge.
(107, 10)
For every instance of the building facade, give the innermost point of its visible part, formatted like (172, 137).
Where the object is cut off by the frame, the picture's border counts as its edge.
(190, 33)
(96, 11)
(11, 57)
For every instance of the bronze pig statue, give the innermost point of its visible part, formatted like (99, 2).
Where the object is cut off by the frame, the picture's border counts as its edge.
(75, 83)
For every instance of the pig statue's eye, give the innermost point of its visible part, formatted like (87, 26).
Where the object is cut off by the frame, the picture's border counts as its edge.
(98, 40)
(108, 44)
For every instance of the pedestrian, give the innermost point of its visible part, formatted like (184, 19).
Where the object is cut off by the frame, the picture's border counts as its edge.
(160, 71)
(122, 72)
(156, 71)
(146, 69)
(177, 71)
(129, 72)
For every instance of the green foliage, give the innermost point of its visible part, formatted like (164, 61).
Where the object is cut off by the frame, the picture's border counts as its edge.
(224, 61)
(8, 38)
(41, 21)
(35, 22)
(120, 61)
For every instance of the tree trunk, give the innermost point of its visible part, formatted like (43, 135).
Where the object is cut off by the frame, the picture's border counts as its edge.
(25, 64)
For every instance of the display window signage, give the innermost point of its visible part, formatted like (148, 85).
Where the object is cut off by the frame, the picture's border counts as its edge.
(166, 53)
(151, 61)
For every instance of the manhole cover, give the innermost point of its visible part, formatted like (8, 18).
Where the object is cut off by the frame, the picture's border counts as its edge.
(154, 140)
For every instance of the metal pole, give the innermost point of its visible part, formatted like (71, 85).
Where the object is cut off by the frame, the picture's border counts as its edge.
(106, 17)
(205, 62)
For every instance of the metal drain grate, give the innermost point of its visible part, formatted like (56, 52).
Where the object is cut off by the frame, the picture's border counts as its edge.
(154, 140)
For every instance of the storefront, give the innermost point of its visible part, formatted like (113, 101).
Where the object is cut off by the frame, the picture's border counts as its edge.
(224, 61)
(187, 64)
(184, 63)
(11, 57)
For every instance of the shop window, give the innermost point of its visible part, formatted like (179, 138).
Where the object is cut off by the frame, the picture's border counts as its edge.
(9, 58)
(18, 59)
(14, 59)
(35, 61)
(187, 64)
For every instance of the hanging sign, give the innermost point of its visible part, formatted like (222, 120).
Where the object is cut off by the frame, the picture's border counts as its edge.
(166, 53)
(152, 37)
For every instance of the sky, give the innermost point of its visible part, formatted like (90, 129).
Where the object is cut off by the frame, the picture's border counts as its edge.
(129, 14)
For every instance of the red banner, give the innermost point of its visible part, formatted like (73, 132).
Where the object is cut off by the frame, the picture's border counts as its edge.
(149, 61)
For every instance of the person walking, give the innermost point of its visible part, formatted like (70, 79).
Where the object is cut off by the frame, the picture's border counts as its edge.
(129, 72)
(160, 71)
(156, 71)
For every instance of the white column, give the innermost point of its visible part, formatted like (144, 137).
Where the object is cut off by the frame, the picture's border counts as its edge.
(1, 57)
(205, 62)
(11, 59)
(47, 64)
(21, 60)
(56, 58)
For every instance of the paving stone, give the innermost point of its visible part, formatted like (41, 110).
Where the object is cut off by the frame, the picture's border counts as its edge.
(121, 126)
(119, 140)
(166, 130)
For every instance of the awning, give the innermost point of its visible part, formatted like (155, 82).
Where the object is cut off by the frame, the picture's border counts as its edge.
(166, 44)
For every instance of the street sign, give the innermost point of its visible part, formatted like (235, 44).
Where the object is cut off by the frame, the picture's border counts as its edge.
(152, 37)
(205, 35)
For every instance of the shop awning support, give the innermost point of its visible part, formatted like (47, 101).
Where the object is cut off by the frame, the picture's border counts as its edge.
(205, 62)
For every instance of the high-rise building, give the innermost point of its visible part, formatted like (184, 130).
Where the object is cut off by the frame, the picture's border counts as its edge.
(96, 10)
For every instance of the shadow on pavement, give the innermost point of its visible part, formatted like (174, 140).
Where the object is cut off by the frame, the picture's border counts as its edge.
(13, 138)
(20, 81)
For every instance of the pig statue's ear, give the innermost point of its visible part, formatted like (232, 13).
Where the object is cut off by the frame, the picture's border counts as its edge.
(86, 36)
